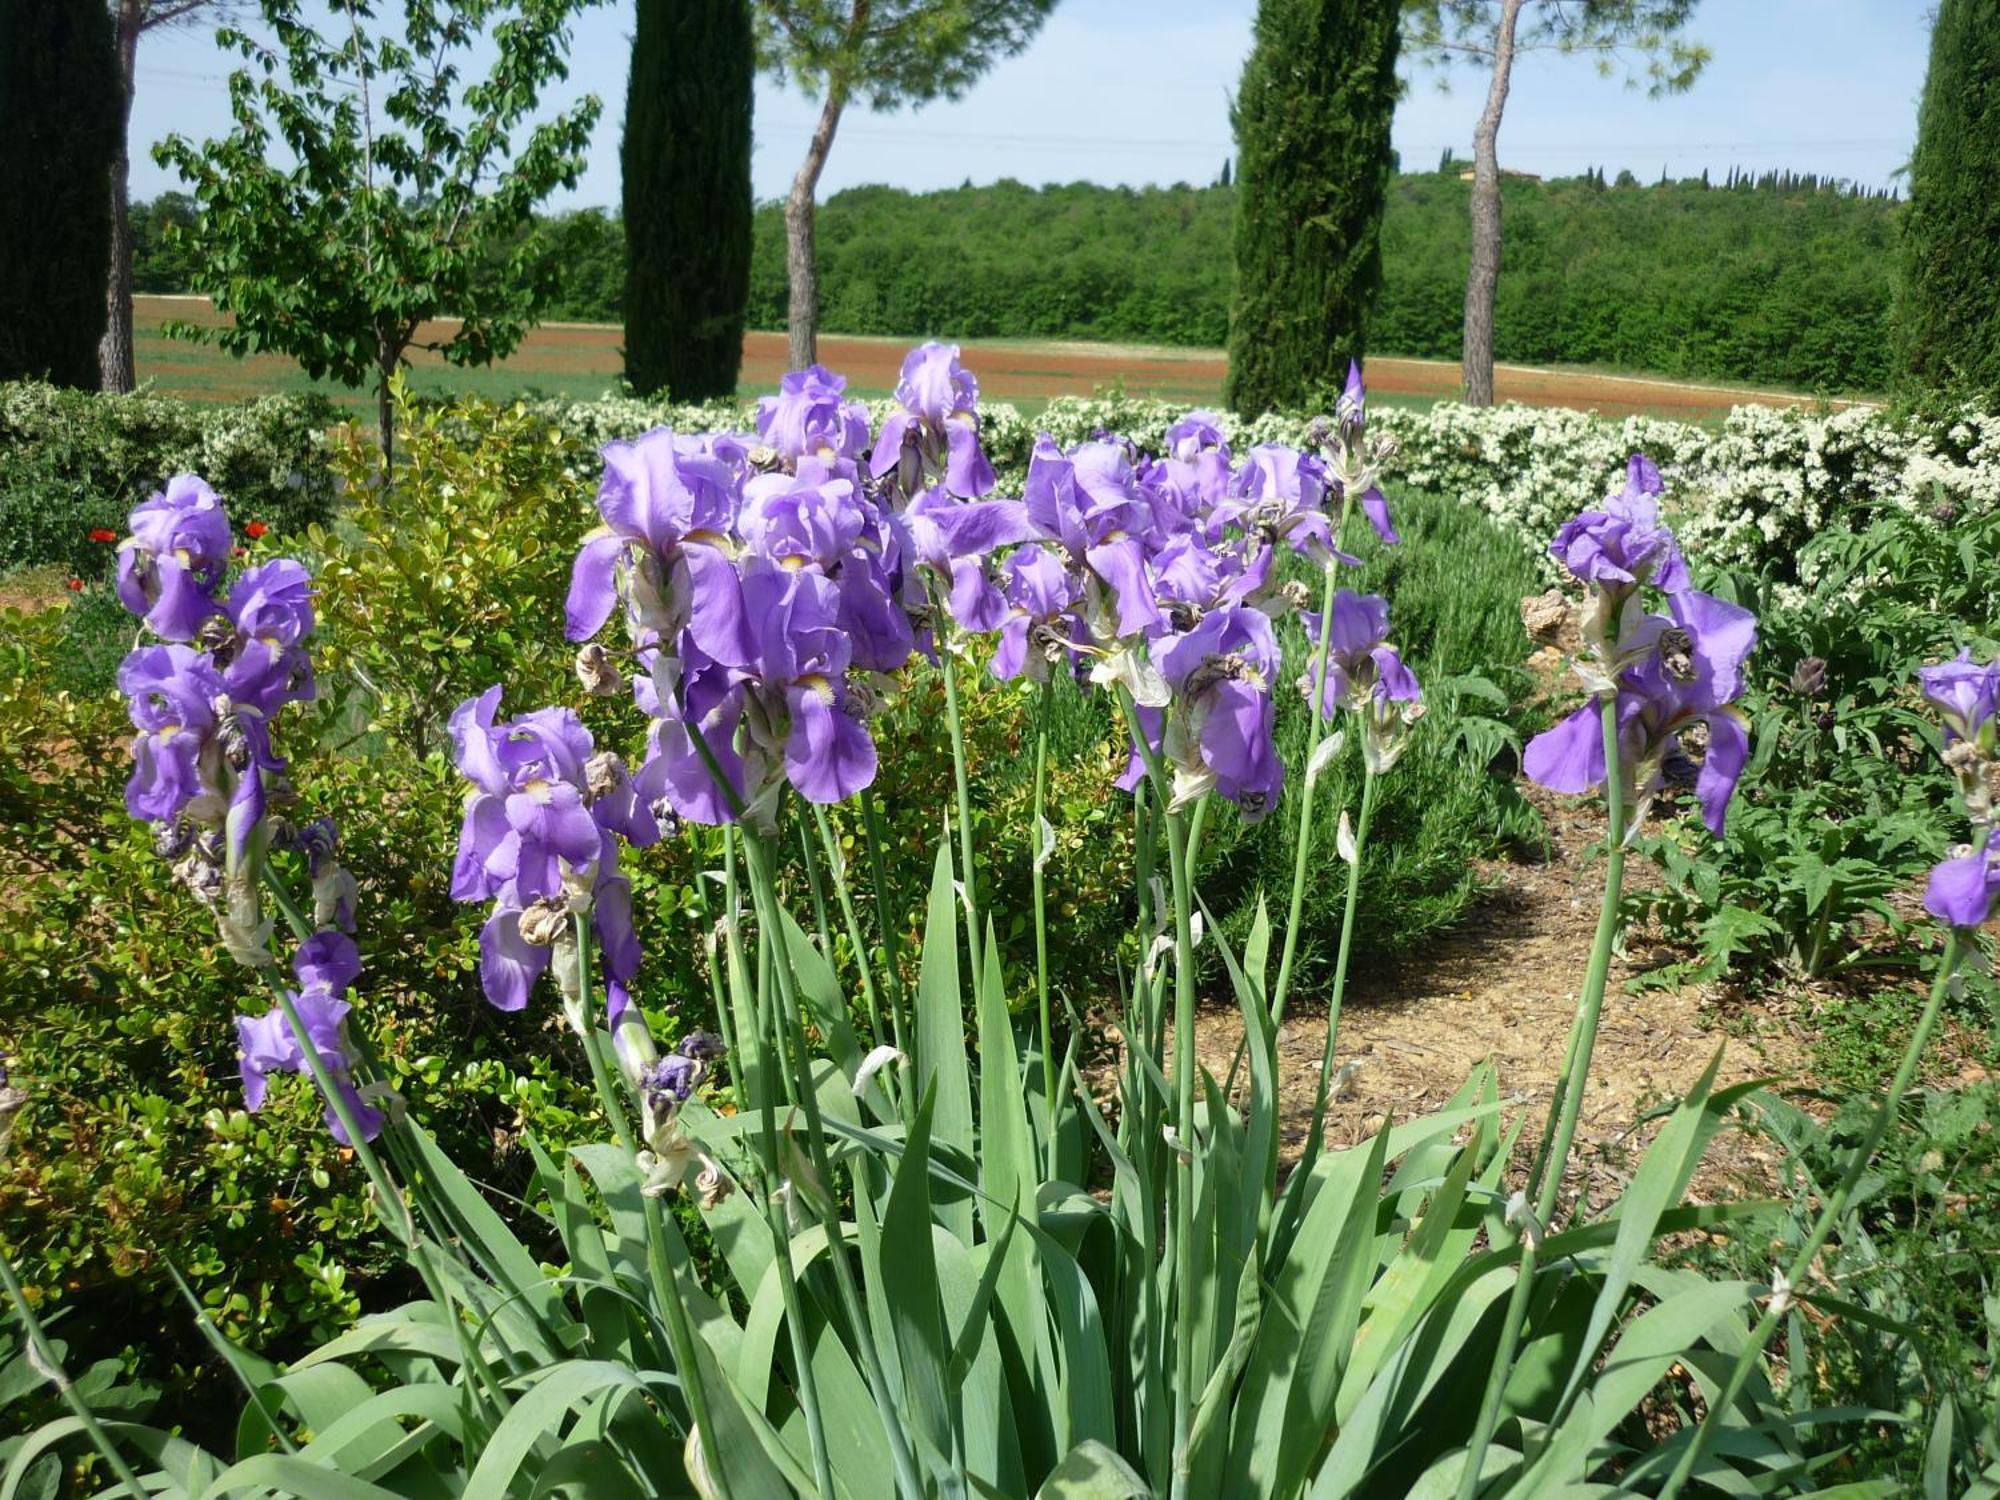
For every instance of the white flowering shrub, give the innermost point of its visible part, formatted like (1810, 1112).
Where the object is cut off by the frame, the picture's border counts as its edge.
(1751, 492)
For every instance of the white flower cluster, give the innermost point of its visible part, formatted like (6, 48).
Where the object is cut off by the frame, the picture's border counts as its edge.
(1756, 486)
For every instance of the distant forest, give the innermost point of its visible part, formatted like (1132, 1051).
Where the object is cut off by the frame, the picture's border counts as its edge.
(1782, 279)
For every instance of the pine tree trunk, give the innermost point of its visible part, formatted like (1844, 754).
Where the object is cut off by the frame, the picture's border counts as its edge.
(1483, 275)
(114, 350)
(801, 257)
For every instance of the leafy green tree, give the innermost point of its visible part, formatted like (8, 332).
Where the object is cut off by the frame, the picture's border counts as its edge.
(368, 191)
(1313, 164)
(1948, 311)
(59, 119)
(887, 53)
(688, 210)
(1641, 36)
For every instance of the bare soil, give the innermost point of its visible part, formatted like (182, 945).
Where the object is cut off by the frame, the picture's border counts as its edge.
(1008, 370)
(1502, 986)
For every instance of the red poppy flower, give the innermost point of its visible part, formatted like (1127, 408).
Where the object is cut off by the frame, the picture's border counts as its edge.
(255, 529)
(76, 585)
(235, 551)
(103, 534)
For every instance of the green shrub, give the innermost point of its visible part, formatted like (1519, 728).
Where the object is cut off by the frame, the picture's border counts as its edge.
(72, 462)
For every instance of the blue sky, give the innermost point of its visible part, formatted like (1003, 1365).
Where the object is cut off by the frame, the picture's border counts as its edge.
(1137, 91)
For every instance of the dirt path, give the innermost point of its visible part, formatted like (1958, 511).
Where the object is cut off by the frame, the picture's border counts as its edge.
(1503, 985)
(1008, 370)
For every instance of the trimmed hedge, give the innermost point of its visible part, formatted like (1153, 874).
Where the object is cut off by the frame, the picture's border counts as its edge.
(74, 462)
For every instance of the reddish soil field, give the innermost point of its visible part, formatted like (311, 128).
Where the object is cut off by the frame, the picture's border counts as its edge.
(1008, 371)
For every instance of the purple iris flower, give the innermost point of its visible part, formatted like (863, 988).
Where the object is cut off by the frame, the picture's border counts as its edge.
(1042, 621)
(267, 1044)
(197, 756)
(937, 429)
(1965, 693)
(538, 832)
(1219, 731)
(1963, 891)
(172, 563)
(271, 607)
(667, 504)
(953, 539)
(1687, 669)
(813, 521)
(785, 689)
(1360, 664)
(1625, 544)
(808, 418)
(1359, 457)
(1195, 469)
(1280, 493)
(1089, 502)
(328, 960)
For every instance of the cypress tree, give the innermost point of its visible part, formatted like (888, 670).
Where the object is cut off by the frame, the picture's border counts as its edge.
(1313, 163)
(60, 116)
(686, 160)
(1948, 313)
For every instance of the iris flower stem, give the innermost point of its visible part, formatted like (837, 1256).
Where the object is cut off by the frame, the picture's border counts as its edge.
(1182, 1246)
(1565, 1107)
(725, 1023)
(1590, 1006)
(878, 869)
(963, 783)
(666, 1285)
(1046, 695)
(816, 883)
(844, 894)
(763, 890)
(1369, 781)
(1184, 1070)
(1302, 846)
(50, 1369)
(1823, 1226)
(386, 1190)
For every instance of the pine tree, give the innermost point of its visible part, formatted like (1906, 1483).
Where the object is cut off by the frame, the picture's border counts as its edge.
(1313, 165)
(60, 115)
(688, 212)
(1948, 311)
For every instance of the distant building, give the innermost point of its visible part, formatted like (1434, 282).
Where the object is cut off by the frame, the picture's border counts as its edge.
(1466, 175)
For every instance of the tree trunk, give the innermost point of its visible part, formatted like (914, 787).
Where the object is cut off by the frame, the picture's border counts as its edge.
(388, 356)
(801, 258)
(114, 349)
(1483, 275)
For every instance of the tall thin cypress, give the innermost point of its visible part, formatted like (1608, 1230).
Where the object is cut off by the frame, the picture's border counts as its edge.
(686, 159)
(1313, 162)
(1948, 313)
(60, 116)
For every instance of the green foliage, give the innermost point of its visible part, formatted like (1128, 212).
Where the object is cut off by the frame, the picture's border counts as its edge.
(1454, 588)
(134, 1150)
(1346, 1323)
(61, 115)
(75, 462)
(1782, 280)
(891, 52)
(411, 190)
(686, 160)
(1443, 33)
(1915, 1321)
(1950, 295)
(438, 586)
(1313, 162)
(1844, 802)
